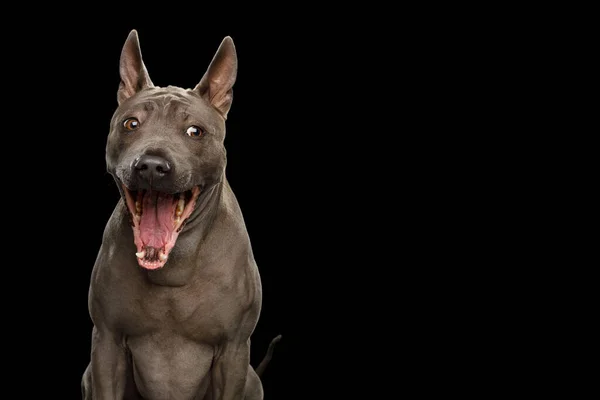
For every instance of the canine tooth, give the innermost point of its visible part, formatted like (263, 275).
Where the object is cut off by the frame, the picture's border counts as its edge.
(162, 256)
(141, 254)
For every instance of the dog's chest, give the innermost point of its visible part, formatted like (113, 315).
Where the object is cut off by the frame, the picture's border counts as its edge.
(195, 313)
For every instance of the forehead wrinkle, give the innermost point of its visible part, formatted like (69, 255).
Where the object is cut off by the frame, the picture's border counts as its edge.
(172, 105)
(149, 105)
(175, 106)
(143, 107)
(185, 115)
(167, 104)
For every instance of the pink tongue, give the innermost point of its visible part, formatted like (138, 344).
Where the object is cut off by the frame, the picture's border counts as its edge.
(156, 225)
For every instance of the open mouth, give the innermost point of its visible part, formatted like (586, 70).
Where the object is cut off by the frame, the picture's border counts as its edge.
(157, 219)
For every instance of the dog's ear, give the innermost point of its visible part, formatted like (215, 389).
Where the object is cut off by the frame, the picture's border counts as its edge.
(134, 76)
(217, 83)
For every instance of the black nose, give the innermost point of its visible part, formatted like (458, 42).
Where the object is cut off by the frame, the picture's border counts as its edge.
(151, 168)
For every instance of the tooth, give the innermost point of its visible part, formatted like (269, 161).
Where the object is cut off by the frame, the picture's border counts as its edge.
(141, 254)
(138, 206)
(138, 217)
(180, 207)
(177, 220)
(162, 256)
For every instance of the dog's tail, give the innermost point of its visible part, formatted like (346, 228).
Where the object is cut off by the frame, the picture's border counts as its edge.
(263, 364)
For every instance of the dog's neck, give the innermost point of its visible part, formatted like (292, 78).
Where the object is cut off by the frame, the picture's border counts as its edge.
(182, 263)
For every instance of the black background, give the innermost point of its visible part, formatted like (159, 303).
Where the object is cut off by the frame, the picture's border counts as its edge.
(300, 112)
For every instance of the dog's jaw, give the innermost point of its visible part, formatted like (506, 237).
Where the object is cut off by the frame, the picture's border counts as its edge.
(157, 219)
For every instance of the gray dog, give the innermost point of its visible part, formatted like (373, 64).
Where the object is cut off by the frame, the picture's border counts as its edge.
(175, 293)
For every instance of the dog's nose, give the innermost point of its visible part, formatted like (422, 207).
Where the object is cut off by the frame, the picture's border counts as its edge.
(151, 168)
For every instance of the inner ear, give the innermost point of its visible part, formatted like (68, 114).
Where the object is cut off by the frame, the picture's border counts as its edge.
(217, 83)
(134, 76)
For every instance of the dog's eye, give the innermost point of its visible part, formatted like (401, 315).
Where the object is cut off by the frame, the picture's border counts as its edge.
(194, 131)
(131, 124)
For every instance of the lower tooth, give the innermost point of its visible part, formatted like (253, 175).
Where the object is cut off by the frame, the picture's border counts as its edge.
(162, 256)
(141, 254)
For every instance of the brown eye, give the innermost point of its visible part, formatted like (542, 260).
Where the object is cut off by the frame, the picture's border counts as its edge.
(131, 124)
(194, 131)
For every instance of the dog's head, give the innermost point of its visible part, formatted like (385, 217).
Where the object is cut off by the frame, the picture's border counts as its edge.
(166, 146)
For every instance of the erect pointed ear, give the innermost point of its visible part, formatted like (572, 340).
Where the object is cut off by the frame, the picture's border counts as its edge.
(134, 76)
(217, 83)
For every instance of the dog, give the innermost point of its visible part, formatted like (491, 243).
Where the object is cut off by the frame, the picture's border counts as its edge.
(175, 292)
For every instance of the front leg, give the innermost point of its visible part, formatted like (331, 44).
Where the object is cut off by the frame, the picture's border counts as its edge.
(229, 371)
(108, 366)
